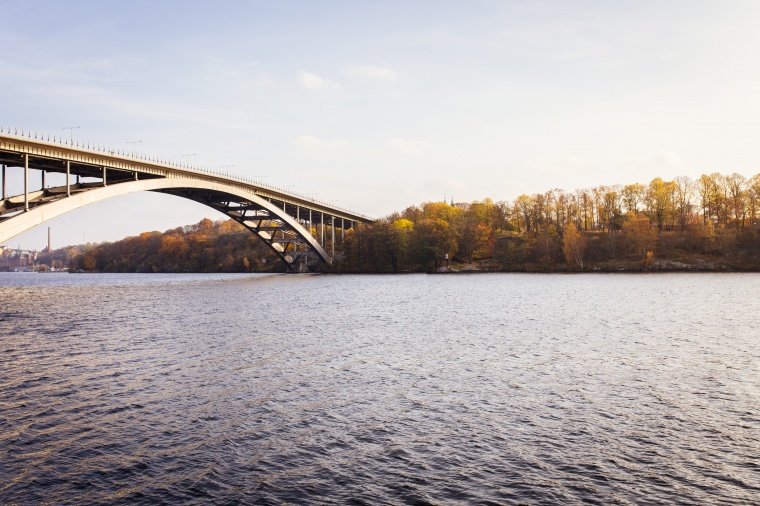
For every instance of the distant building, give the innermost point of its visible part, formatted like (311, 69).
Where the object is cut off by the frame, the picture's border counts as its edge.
(17, 259)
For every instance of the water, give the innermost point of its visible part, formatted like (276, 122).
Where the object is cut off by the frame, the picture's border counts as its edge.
(419, 389)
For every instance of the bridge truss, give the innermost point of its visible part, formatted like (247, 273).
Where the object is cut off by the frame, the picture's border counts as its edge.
(293, 226)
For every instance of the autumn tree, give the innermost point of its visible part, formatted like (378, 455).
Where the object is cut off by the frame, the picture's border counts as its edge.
(573, 245)
(684, 191)
(431, 240)
(658, 199)
(474, 231)
(735, 184)
(639, 234)
(633, 195)
(523, 211)
(753, 199)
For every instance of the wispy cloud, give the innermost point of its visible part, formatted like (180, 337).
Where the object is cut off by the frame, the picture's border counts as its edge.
(373, 72)
(661, 164)
(404, 147)
(330, 148)
(443, 187)
(560, 170)
(312, 81)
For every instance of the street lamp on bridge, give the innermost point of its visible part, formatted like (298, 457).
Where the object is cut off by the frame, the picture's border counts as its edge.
(133, 146)
(71, 132)
(188, 155)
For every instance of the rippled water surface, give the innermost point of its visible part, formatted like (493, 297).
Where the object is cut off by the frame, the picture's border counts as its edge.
(471, 389)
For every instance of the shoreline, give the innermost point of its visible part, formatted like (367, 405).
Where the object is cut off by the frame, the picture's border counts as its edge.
(488, 266)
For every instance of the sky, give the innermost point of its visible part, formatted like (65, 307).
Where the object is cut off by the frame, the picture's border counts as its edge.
(376, 106)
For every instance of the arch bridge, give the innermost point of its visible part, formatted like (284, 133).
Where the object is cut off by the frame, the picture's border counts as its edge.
(292, 225)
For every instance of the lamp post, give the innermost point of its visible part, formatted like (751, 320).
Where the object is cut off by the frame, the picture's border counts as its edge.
(133, 146)
(188, 155)
(71, 132)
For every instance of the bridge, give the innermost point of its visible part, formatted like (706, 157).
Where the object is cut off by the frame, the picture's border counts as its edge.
(292, 225)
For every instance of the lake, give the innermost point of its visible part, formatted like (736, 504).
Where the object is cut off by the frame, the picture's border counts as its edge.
(409, 389)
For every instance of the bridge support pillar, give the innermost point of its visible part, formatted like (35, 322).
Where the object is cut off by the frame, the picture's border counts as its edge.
(342, 230)
(4, 183)
(332, 231)
(26, 182)
(298, 220)
(44, 173)
(302, 265)
(68, 178)
(104, 175)
(322, 235)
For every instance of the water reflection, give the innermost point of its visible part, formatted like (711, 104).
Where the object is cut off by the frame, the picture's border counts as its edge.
(380, 389)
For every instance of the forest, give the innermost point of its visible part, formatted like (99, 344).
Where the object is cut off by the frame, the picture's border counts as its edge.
(711, 223)
(208, 246)
(684, 224)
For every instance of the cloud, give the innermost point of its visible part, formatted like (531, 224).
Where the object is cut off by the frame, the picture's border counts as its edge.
(404, 146)
(330, 148)
(264, 80)
(566, 162)
(664, 164)
(79, 88)
(313, 81)
(372, 72)
(442, 187)
(566, 171)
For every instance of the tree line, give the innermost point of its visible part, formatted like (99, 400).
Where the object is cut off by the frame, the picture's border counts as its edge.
(715, 216)
(713, 220)
(207, 246)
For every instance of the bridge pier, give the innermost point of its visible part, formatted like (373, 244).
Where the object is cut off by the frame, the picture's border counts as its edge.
(68, 178)
(26, 181)
(298, 220)
(5, 182)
